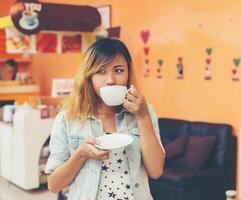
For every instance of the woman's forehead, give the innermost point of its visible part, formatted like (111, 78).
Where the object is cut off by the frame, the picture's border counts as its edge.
(119, 60)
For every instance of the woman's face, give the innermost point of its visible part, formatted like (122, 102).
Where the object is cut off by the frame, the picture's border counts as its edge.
(115, 73)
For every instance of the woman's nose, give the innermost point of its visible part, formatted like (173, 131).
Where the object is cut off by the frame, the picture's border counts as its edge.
(111, 79)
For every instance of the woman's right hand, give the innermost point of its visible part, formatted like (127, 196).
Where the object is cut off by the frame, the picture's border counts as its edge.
(88, 150)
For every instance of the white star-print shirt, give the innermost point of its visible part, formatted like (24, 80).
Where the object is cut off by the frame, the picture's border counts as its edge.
(115, 180)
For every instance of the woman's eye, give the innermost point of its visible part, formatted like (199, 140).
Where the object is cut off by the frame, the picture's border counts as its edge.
(119, 71)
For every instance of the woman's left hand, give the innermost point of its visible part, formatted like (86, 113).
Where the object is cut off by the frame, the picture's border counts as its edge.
(135, 102)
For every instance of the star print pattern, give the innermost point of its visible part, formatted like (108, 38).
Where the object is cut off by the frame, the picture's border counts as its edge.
(104, 168)
(111, 194)
(115, 180)
(128, 187)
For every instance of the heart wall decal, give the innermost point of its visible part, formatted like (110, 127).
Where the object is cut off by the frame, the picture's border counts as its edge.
(145, 36)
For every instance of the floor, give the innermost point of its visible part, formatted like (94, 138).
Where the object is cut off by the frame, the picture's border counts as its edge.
(9, 191)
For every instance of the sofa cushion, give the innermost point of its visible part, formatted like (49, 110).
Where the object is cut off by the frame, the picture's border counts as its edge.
(224, 136)
(197, 151)
(175, 148)
(186, 177)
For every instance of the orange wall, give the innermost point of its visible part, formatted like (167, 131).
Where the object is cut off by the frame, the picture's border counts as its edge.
(174, 31)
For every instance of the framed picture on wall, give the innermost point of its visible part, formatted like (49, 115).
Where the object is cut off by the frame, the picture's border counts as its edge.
(16, 42)
(70, 43)
(105, 12)
(46, 42)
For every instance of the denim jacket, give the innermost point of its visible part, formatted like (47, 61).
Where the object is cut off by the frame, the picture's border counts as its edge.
(66, 137)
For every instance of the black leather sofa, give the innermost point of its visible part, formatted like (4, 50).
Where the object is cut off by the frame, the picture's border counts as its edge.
(208, 183)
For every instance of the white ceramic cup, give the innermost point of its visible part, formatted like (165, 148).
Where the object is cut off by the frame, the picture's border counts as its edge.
(29, 16)
(113, 95)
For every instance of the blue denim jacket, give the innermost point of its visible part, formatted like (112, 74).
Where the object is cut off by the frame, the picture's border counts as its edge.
(66, 137)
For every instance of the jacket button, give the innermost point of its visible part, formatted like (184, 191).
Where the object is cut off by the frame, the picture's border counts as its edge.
(136, 185)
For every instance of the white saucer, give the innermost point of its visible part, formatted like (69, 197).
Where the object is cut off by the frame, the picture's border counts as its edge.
(24, 25)
(114, 141)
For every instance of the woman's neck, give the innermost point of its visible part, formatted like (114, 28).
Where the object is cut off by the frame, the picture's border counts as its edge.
(103, 109)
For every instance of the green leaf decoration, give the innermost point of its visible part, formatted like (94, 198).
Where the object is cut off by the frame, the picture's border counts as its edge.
(236, 61)
(209, 51)
(179, 66)
(160, 62)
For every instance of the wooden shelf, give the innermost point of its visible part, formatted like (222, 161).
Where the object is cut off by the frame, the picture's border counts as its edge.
(18, 60)
(19, 89)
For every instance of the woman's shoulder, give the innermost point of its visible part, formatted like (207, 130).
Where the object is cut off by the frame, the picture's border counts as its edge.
(71, 124)
(61, 116)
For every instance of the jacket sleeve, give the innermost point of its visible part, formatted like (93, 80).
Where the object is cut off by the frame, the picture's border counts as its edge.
(154, 120)
(58, 146)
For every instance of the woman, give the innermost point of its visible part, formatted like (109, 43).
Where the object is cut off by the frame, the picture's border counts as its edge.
(75, 161)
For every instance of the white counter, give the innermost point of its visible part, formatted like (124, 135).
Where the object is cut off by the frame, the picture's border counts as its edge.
(20, 147)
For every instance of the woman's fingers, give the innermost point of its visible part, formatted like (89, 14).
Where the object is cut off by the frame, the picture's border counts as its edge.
(103, 155)
(94, 152)
(128, 105)
(132, 90)
(92, 141)
(131, 97)
(98, 154)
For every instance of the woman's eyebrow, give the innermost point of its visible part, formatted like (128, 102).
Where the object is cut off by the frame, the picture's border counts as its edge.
(118, 66)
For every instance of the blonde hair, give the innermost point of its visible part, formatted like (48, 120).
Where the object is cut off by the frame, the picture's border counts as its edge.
(83, 101)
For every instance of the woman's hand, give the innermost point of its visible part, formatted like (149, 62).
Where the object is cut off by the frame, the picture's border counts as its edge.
(88, 150)
(135, 102)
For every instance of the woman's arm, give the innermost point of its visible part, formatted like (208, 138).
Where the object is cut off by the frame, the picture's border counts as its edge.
(152, 151)
(61, 166)
(64, 174)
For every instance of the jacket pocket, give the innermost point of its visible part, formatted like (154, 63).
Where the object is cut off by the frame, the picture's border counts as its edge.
(75, 141)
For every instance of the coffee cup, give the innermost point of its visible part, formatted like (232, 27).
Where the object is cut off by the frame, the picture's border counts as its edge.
(113, 95)
(29, 17)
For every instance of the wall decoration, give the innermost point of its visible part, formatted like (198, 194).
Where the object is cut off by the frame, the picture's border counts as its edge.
(146, 51)
(208, 75)
(71, 43)
(180, 68)
(16, 42)
(105, 13)
(235, 67)
(61, 87)
(46, 42)
(208, 69)
(114, 32)
(32, 16)
(158, 70)
(106, 23)
(146, 68)
(145, 37)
